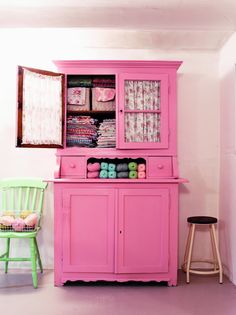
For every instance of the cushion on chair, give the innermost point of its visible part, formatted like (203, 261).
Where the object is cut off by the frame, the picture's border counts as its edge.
(202, 220)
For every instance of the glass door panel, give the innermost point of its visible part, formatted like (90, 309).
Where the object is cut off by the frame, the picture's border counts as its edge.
(142, 95)
(143, 111)
(142, 127)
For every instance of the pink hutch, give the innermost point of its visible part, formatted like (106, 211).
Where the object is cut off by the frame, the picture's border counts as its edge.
(116, 184)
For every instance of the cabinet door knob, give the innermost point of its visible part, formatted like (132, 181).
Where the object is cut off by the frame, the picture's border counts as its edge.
(72, 165)
(121, 110)
(160, 166)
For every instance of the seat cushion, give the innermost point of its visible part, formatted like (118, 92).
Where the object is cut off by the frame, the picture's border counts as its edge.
(202, 220)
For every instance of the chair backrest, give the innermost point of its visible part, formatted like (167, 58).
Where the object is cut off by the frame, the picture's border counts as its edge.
(22, 195)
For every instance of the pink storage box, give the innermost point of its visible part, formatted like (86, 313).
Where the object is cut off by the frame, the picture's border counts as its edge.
(78, 99)
(103, 99)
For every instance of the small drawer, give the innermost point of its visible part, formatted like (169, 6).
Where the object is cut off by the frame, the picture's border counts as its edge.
(159, 167)
(73, 166)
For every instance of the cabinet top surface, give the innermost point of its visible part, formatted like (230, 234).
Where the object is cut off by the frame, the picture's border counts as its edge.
(119, 63)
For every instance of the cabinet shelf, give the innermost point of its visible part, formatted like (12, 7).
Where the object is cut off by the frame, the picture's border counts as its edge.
(92, 112)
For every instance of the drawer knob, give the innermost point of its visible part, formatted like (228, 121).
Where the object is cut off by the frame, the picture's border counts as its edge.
(72, 165)
(160, 166)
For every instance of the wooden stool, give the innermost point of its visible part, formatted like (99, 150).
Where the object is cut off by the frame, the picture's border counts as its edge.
(216, 262)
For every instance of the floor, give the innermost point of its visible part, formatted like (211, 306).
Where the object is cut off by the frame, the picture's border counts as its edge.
(204, 295)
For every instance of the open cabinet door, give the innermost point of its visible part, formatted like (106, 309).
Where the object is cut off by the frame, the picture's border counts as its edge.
(40, 108)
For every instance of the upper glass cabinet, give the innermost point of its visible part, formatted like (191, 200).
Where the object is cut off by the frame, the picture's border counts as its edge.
(143, 111)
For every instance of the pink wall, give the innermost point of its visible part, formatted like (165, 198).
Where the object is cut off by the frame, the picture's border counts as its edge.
(198, 114)
(227, 208)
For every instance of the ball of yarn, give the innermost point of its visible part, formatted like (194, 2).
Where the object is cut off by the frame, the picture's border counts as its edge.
(93, 174)
(31, 220)
(18, 224)
(10, 213)
(122, 167)
(133, 166)
(25, 213)
(93, 167)
(6, 220)
(141, 167)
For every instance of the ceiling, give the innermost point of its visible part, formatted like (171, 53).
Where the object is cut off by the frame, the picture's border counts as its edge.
(192, 24)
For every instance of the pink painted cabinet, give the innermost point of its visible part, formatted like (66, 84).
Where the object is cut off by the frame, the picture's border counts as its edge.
(143, 227)
(109, 225)
(115, 232)
(88, 229)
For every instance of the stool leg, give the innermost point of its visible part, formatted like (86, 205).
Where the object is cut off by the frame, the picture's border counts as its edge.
(217, 254)
(186, 250)
(192, 231)
(213, 248)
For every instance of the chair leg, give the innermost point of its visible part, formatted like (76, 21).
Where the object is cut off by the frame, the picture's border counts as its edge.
(217, 254)
(33, 254)
(38, 255)
(189, 256)
(7, 254)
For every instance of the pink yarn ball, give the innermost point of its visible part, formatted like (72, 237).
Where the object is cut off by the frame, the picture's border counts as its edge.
(93, 174)
(6, 220)
(93, 167)
(31, 220)
(18, 224)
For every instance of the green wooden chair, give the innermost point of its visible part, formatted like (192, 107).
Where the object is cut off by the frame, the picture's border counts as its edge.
(19, 199)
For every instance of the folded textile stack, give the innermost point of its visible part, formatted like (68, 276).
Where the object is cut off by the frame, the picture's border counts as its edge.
(82, 81)
(81, 131)
(107, 134)
(104, 81)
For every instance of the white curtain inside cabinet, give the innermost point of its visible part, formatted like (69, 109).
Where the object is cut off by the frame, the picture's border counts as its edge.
(42, 109)
(141, 96)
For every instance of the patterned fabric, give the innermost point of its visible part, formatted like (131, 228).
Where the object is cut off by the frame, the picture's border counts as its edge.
(42, 109)
(104, 94)
(78, 99)
(76, 95)
(142, 95)
(97, 105)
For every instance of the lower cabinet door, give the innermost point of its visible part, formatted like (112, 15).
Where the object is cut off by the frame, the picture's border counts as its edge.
(88, 231)
(143, 231)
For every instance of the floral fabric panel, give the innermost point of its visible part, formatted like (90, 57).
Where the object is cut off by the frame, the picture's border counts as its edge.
(142, 95)
(140, 127)
(42, 109)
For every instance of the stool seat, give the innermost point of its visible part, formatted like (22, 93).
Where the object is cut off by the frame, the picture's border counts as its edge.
(202, 220)
(209, 223)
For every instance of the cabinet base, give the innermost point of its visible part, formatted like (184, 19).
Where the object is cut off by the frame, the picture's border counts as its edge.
(171, 281)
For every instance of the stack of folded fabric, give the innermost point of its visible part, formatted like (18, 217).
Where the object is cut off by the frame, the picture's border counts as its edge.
(104, 81)
(107, 134)
(81, 131)
(79, 80)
